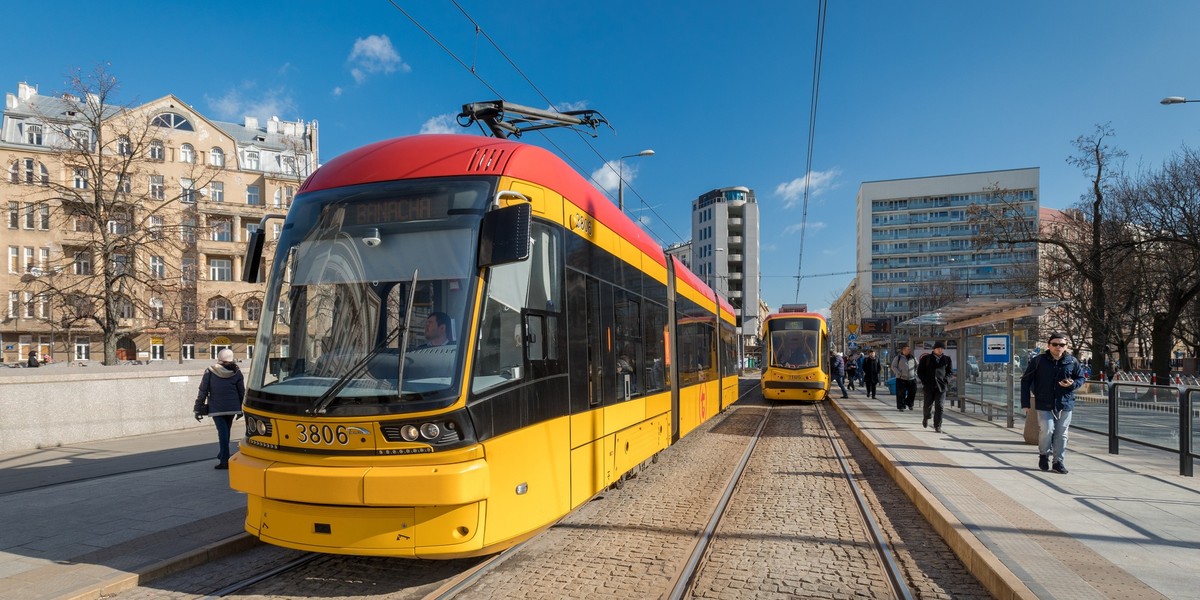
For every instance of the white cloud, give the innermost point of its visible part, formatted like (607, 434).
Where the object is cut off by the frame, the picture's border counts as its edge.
(242, 102)
(814, 226)
(337, 91)
(446, 123)
(569, 106)
(374, 54)
(819, 182)
(606, 176)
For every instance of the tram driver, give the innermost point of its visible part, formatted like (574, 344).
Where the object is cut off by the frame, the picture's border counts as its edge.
(793, 353)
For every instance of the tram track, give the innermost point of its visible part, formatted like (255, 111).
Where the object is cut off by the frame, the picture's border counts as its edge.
(686, 579)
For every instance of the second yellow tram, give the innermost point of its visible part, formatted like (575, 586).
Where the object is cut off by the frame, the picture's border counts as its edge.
(795, 356)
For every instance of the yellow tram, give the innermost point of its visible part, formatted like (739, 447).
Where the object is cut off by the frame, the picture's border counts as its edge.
(463, 341)
(795, 356)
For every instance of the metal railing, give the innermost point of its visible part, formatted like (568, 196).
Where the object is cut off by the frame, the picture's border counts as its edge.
(1155, 416)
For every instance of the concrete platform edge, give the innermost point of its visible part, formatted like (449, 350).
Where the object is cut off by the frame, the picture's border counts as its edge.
(980, 562)
(127, 581)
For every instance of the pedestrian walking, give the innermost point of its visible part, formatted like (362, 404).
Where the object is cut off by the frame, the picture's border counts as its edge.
(859, 357)
(870, 373)
(33, 359)
(221, 391)
(837, 368)
(904, 369)
(851, 365)
(1052, 377)
(934, 372)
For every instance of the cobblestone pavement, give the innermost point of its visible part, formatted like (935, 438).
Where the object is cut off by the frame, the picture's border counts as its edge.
(806, 541)
(792, 528)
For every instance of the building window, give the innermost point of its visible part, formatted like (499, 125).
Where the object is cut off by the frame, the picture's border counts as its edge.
(222, 230)
(120, 264)
(187, 230)
(253, 309)
(250, 229)
(188, 194)
(83, 348)
(30, 212)
(252, 160)
(43, 306)
(157, 150)
(33, 135)
(45, 259)
(216, 157)
(278, 203)
(44, 213)
(123, 146)
(220, 269)
(289, 165)
(289, 192)
(158, 268)
(30, 305)
(27, 170)
(14, 304)
(172, 121)
(81, 179)
(157, 189)
(125, 308)
(118, 224)
(156, 227)
(217, 191)
(188, 351)
(187, 267)
(82, 139)
(252, 195)
(156, 312)
(219, 309)
(82, 264)
(123, 184)
(14, 259)
(29, 264)
(276, 228)
(14, 215)
(187, 153)
(157, 351)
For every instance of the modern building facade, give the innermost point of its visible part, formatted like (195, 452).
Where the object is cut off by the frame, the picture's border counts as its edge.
(917, 249)
(725, 251)
(157, 199)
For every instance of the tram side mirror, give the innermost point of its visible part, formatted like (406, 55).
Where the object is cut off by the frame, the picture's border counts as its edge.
(504, 236)
(252, 260)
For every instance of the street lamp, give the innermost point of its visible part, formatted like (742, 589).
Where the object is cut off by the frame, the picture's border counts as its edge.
(1175, 100)
(621, 176)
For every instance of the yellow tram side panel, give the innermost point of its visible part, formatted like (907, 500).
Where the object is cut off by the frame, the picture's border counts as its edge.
(729, 391)
(530, 476)
(546, 203)
(609, 441)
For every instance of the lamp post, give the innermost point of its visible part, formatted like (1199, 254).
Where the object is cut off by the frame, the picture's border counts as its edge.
(1176, 100)
(621, 176)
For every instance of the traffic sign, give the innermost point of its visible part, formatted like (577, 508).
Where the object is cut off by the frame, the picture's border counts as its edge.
(852, 345)
(853, 327)
(852, 337)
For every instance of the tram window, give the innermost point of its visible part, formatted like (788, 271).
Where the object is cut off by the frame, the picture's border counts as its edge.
(654, 369)
(627, 313)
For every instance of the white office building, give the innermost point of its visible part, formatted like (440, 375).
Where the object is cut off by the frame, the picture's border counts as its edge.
(725, 250)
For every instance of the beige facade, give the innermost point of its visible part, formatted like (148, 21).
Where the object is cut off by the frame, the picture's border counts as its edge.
(153, 202)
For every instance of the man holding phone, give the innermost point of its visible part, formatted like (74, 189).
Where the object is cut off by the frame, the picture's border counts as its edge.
(1052, 377)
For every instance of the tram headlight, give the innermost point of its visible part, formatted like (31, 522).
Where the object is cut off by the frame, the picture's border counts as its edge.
(410, 433)
(261, 426)
(431, 431)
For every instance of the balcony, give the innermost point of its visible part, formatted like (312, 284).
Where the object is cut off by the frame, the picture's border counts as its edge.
(250, 325)
(735, 240)
(735, 276)
(735, 258)
(735, 222)
(219, 324)
(131, 323)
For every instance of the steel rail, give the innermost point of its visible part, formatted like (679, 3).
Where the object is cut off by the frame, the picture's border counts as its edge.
(245, 583)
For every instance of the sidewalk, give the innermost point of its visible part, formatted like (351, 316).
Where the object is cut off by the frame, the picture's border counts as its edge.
(85, 520)
(1117, 526)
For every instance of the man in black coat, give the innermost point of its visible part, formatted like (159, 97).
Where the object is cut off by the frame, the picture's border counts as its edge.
(934, 372)
(870, 367)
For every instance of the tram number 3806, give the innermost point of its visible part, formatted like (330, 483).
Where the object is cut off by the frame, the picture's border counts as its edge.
(327, 435)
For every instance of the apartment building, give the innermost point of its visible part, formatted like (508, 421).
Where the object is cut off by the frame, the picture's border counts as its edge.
(139, 213)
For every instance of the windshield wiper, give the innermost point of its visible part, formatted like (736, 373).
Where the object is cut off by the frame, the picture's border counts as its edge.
(325, 399)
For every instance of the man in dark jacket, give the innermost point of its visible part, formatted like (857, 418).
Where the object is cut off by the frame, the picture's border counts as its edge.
(870, 372)
(837, 370)
(221, 391)
(934, 372)
(1052, 377)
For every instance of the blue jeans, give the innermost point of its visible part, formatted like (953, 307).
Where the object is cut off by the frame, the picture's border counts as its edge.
(839, 379)
(1053, 430)
(224, 423)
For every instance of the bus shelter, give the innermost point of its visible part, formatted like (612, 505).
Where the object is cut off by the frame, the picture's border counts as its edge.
(962, 315)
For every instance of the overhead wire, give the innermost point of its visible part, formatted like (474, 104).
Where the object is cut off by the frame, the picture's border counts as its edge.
(567, 156)
(818, 52)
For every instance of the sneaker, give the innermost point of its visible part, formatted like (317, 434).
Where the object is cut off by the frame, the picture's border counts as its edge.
(222, 467)
(1044, 462)
(938, 428)
(1060, 468)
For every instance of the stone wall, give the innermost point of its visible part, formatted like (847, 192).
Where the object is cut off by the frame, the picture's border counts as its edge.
(60, 406)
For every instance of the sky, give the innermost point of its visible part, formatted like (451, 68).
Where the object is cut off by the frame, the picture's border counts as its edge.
(719, 90)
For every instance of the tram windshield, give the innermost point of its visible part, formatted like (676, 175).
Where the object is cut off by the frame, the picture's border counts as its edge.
(794, 344)
(368, 297)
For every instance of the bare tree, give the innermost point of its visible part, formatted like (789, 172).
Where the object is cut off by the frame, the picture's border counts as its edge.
(111, 265)
(1090, 241)
(1164, 207)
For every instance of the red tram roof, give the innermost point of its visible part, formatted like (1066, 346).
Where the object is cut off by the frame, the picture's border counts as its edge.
(795, 314)
(450, 155)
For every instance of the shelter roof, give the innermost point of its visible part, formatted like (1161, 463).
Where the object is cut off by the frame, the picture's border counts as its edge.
(974, 312)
